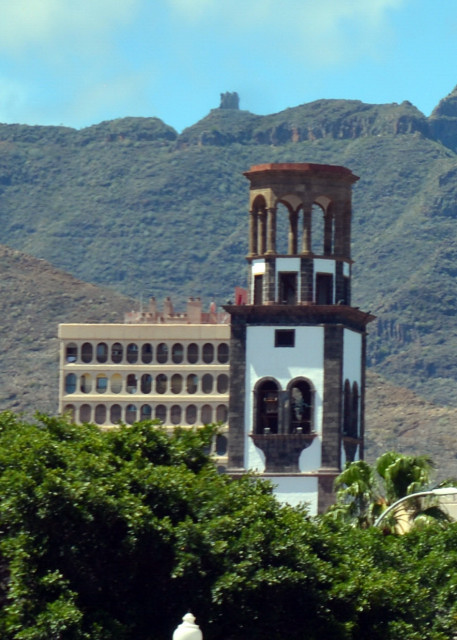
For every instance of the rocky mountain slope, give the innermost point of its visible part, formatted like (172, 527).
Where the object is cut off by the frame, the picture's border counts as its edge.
(34, 298)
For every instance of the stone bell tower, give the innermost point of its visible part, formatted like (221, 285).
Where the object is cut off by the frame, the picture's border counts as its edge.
(297, 366)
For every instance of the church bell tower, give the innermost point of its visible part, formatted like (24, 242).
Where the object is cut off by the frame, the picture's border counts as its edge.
(297, 365)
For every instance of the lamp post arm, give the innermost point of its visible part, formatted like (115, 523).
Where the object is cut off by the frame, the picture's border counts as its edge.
(393, 506)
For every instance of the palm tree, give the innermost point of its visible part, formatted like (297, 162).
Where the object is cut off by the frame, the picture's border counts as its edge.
(363, 492)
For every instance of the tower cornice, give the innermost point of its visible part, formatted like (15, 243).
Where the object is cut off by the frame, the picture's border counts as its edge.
(306, 314)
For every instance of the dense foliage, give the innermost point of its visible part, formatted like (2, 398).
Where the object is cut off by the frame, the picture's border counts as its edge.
(115, 535)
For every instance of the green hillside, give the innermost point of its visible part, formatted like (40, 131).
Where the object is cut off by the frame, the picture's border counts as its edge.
(133, 205)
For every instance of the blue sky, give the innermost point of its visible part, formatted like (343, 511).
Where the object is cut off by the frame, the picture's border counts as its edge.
(79, 62)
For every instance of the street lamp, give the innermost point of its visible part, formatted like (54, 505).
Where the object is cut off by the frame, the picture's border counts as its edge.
(440, 491)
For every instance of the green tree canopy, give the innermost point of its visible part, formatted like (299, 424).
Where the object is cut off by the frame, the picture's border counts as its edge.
(115, 535)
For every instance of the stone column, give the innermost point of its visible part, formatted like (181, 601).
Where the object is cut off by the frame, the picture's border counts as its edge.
(261, 232)
(271, 231)
(252, 233)
(306, 235)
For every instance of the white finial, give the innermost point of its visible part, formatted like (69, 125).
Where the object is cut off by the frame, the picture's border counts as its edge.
(188, 630)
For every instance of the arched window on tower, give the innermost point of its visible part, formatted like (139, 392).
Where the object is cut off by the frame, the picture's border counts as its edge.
(300, 406)
(267, 407)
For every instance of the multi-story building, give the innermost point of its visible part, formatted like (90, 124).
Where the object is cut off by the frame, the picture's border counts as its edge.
(173, 367)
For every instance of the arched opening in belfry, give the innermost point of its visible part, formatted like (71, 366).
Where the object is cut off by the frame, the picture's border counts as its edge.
(300, 406)
(267, 407)
(259, 226)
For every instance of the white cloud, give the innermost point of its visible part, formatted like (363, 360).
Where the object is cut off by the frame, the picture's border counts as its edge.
(320, 31)
(48, 25)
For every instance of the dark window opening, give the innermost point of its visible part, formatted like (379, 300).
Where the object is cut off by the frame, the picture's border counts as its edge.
(100, 414)
(70, 383)
(86, 352)
(221, 445)
(258, 289)
(146, 412)
(207, 383)
(206, 414)
(146, 383)
(146, 353)
(300, 399)
(192, 383)
(175, 414)
(161, 413)
(71, 352)
(191, 414)
(102, 352)
(287, 288)
(162, 353)
(208, 353)
(130, 413)
(176, 383)
(177, 353)
(324, 288)
(85, 413)
(285, 338)
(132, 353)
(192, 353)
(223, 353)
(115, 413)
(116, 353)
(222, 383)
(132, 383)
(221, 415)
(267, 407)
(161, 383)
